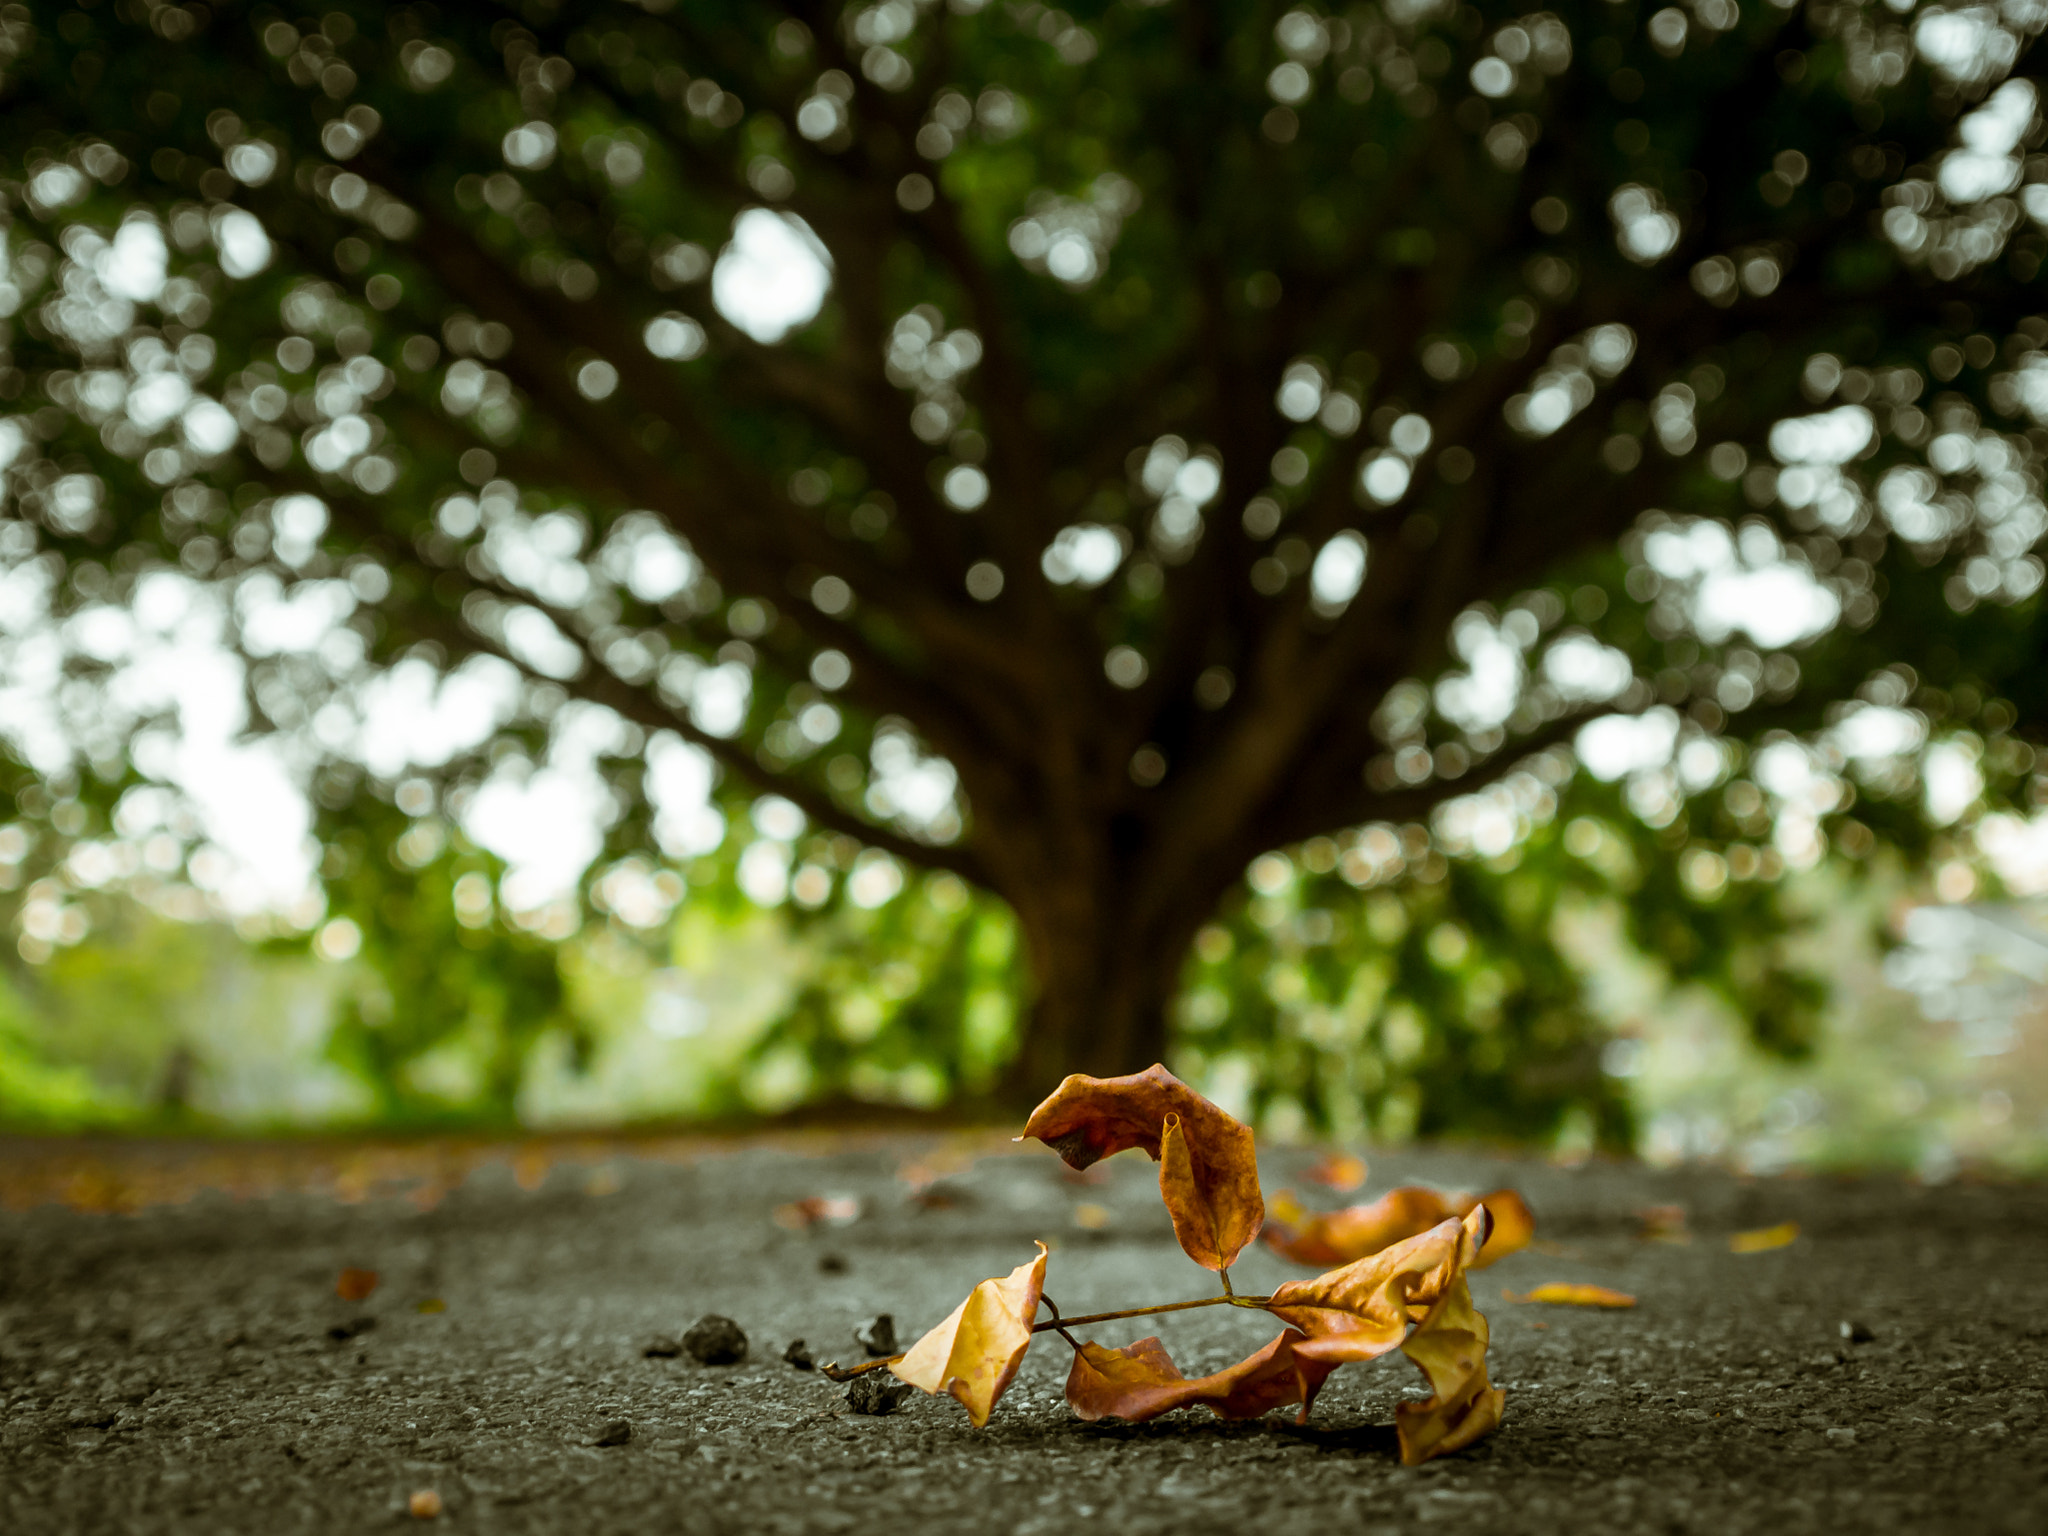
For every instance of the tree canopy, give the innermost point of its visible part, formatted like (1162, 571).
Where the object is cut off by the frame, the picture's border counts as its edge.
(1075, 452)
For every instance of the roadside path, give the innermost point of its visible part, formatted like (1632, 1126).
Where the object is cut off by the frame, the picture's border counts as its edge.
(190, 1368)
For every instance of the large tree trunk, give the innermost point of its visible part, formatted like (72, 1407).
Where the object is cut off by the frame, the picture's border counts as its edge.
(1105, 971)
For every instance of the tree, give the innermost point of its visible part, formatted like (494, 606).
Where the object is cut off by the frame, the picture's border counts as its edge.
(1209, 427)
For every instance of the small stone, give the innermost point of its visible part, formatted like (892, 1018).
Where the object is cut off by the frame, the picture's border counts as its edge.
(715, 1340)
(341, 1333)
(799, 1356)
(618, 1432)
(662, 1347)
(1857, 1333)
(876, 1393)
(1841, 1436)
(831, 1264)
(877, 1335)
(424, 1505)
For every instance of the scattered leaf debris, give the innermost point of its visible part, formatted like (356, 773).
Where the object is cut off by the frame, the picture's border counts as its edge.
(1341, 1171)
(429, 1305)
(830, 1210)
(1562, 1293)
(715, 1340)
(1664, 1224)
(356, 1284)
(877, 1335)
(1764, 1239)
(1090, 1217)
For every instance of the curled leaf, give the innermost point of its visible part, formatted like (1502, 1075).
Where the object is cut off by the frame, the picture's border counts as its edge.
(1764, 1239)
(975, 1352)
(1463, 1405)
(1208, 1167)
(1140, 1381)
(1412, 1297)
(1358, 1231)
(1558, 1293)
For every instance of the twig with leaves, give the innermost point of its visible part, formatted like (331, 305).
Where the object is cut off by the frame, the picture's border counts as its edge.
(1411, 1296)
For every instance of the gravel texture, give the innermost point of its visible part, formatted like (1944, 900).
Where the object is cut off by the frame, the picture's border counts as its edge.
(190, 1367)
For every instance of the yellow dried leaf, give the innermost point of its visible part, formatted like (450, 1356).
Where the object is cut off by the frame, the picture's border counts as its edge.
(1208, 1166)
(1764, 1239)
(1559, 1293)
(1463, 1405)
(975, 1352)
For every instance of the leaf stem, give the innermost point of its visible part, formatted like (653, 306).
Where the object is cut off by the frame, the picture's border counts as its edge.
(832, 1370)
(1164, 1306)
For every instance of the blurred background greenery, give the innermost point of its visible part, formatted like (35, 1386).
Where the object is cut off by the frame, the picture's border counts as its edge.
(1663, 496)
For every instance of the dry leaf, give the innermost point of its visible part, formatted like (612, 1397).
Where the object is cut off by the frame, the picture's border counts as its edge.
(1341, 1171)
(1359, 1231)
(1140, 1382)
(1208, 1167)
(975, 1352)
(1090, 1217)
(1664, 1224)
(1559, 1293)
(1412, 1297)
(1764, 1239)
(356, 1284)
(837, 1210)
(1450, 1347)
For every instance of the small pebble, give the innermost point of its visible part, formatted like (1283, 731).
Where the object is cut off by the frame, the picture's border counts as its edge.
(799, 1356)
(831, 1264)
(662, 1347)
(618, 1432)
(876, 1392)
(1840, 1436)
(877, 1335)
(342, 1332)
(1857, 1333)
(715, 1340)
(424, 1505)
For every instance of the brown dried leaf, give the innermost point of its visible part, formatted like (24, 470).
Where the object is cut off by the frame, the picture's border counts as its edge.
(1140, 1382)
(975, 1352)
(1208, 1167)
(356, 1284)
(1412, 1297)
(1359, 1231)
(1560, 1293)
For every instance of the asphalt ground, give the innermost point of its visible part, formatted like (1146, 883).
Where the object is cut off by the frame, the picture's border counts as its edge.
(174, 1357)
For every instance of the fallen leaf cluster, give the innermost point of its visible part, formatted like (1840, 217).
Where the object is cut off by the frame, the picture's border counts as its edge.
(1407, 1292)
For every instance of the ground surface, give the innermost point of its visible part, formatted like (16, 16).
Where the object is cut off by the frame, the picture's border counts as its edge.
(190, 1368)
